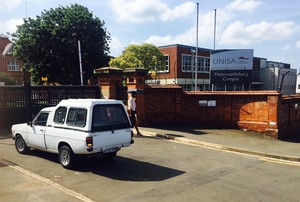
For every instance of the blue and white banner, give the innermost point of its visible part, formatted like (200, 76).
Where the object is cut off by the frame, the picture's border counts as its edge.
(236, 59)
(231, 66)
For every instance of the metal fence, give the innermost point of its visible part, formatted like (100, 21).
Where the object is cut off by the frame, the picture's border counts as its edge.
(20, 103)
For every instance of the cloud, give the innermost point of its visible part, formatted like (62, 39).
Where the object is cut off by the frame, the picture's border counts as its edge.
(9, 4)
(10, 25)
(188, 37)
(298, 44)
(182, 10)
(205, 32)
(116, 45)
(286, 47)
(243, 5)
(139, 11)
(237, 33)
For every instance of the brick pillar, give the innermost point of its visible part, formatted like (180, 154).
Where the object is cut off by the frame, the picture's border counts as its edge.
(109, 79)
(136, 82)
(274, 102)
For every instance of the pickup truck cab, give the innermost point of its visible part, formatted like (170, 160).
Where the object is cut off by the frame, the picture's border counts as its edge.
(76, 127)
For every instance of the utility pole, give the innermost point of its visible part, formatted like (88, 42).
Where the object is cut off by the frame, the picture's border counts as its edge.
(80, 63)
(215, 28)
(196, 59)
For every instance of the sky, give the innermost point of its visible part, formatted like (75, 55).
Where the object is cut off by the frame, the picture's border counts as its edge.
(270, 27)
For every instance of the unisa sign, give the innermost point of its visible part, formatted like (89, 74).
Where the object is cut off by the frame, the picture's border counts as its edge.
(231, 66)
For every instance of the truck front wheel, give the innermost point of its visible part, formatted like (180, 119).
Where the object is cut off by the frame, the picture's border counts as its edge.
(21, 145)
(66, 157)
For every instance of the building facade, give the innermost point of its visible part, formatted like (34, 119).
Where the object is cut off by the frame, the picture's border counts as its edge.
(261, 75)
(9, 65)
(279, 76)
(180, 67)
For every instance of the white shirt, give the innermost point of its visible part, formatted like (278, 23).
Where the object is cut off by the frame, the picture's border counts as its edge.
(131, 104)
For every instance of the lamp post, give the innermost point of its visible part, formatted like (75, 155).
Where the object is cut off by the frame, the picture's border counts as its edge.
(74, 34)
(80, 63)
(196, 59)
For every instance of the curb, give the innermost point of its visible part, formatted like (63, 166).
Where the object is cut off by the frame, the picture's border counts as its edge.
(223, 147)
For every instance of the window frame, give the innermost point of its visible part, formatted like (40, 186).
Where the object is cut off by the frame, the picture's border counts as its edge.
(76, 122)
(13, 65)
(55, 119)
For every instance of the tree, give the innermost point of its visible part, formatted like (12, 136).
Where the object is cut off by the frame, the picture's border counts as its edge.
(7, 79)
(48, 44)
(147, 56)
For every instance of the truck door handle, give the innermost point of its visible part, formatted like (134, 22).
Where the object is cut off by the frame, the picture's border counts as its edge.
(41, 130)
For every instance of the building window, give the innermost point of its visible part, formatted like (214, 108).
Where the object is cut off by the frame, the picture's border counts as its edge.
(188, 64)
(207, 64)
(13, 65)
(230, 87)
(166, 69)
(219, 87)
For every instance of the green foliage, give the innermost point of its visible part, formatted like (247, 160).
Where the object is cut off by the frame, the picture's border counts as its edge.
(147, 56)
(6, 79)
(48, 44)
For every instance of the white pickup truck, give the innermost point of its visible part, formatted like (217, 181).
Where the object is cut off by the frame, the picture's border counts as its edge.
(76, 127)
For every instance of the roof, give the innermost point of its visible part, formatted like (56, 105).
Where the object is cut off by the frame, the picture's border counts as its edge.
(8, 49)
(185, 46)
(87, 102)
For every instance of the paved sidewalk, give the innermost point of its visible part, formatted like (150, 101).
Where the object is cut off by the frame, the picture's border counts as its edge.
(230, 140)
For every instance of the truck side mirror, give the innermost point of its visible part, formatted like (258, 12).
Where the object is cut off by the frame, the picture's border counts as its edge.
(29, 123)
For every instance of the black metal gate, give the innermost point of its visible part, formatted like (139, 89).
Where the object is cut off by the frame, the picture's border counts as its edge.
(20, 103)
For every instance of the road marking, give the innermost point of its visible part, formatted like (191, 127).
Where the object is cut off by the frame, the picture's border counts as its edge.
(279, 161)
(49, 182)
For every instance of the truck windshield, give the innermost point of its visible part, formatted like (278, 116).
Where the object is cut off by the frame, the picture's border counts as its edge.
(109, 117)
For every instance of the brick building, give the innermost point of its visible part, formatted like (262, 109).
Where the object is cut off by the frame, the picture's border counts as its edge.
(9, 65)
(180, 70)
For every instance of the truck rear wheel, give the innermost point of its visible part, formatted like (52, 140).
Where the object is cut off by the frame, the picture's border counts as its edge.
(66, 157)
(109, 156)
(21, 145)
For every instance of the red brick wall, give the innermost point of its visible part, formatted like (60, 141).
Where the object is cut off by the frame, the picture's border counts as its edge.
(289, 116)
(162, 104)
(253, 110)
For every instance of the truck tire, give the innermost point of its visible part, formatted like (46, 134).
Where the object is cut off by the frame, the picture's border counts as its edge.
(66, 157)
(109, 156)
(21, 145)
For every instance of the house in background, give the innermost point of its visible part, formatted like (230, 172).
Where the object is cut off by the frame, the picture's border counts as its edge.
(261, 73)
(9, 65)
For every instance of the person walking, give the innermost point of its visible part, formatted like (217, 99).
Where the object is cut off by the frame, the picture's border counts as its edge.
(131, 106)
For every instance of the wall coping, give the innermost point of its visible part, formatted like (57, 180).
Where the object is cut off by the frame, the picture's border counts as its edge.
(168, 86)
(232, 93)
(107, 70)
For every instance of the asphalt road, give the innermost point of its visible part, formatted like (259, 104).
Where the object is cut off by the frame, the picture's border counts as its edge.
(150, 170)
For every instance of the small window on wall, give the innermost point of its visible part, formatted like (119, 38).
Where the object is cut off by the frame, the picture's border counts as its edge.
(13, 65)
(207, 103)
(60, 115)
(166, 69)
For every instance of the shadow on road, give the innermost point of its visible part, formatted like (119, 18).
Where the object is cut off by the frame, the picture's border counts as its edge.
(120, 168)
(127, 169)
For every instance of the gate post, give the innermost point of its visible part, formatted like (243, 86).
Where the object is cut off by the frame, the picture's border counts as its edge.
(136, 82)
(27, 91)
(109, 79)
